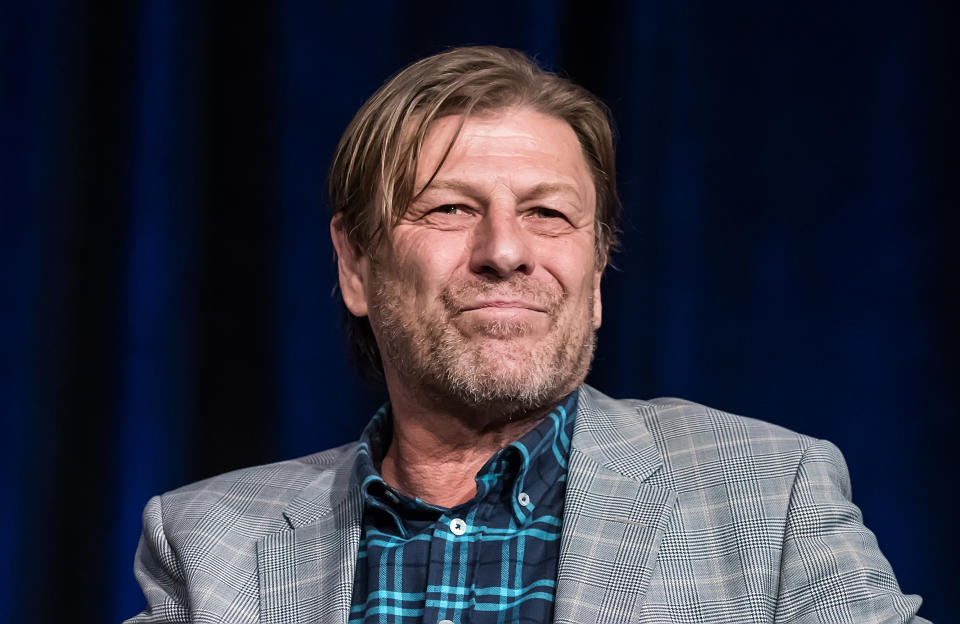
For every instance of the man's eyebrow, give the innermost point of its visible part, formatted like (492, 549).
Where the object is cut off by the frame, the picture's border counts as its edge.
(451, 185)
(552, 188)
(540, 190)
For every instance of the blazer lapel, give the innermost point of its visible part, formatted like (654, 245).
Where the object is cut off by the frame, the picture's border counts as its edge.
(306, 573)
(613, 521)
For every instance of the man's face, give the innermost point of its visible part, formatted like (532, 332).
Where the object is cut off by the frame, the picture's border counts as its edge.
(487, 295)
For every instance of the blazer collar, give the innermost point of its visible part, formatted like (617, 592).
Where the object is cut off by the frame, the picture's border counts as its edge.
(306, 573)
(334, 483)
(614, 517)
(614, 434)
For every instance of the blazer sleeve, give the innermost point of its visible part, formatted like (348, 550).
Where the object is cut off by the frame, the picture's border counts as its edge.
(831, 568)
(159, 571)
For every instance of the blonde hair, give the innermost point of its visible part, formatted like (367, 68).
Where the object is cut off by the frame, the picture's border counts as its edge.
(374, 168)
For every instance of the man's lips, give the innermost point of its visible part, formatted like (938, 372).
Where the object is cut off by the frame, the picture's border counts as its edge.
(504, 304)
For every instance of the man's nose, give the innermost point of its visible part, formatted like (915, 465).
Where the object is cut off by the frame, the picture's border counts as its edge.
(500, 245)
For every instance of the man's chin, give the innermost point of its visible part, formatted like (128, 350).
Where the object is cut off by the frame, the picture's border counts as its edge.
(501, 396)
(504, 330)
(502, 379)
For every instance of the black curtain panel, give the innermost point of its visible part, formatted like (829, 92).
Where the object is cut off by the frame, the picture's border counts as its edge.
(168, 308)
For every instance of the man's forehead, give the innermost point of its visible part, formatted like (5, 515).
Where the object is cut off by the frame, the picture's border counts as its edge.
(509, 126)
(534, 191)
(542, 188)
(515, 141)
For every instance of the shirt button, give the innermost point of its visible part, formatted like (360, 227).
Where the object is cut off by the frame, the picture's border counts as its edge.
(458, 527)
(523, 499)
(445, 622)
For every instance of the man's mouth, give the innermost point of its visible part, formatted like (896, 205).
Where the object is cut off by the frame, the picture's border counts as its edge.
(504, 304)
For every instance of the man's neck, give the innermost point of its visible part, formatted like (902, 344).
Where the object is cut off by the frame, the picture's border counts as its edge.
(436, 453)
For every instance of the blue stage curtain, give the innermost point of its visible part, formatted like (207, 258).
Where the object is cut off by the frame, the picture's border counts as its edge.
(788, 175)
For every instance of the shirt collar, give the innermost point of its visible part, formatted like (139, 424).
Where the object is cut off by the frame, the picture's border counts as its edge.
(543, 453)
(535, 462)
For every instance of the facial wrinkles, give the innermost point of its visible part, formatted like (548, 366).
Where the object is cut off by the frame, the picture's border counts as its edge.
(456, 298)
(506, 151)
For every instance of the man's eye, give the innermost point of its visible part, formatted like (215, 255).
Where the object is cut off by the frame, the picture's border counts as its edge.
(548, 213)
(450, 209)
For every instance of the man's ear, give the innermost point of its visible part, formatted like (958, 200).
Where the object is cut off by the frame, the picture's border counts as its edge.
(352, 267)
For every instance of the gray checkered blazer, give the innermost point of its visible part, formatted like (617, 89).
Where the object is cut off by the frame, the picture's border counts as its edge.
(674, 513)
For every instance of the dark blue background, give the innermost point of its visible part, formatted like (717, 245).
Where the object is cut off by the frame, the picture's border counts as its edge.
(788, 175)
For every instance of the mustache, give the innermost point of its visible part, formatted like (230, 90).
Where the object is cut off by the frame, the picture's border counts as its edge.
(457, 297)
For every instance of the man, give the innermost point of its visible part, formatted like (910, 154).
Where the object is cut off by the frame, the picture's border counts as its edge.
(474, 210)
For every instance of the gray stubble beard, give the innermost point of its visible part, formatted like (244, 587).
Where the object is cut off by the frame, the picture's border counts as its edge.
(437, 363)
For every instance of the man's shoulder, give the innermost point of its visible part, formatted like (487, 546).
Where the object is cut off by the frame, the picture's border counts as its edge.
(288, 475)
(684, 431)
(259, 493)
(681, 421)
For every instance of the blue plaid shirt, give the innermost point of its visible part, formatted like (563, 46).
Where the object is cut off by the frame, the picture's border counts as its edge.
(491, 559)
